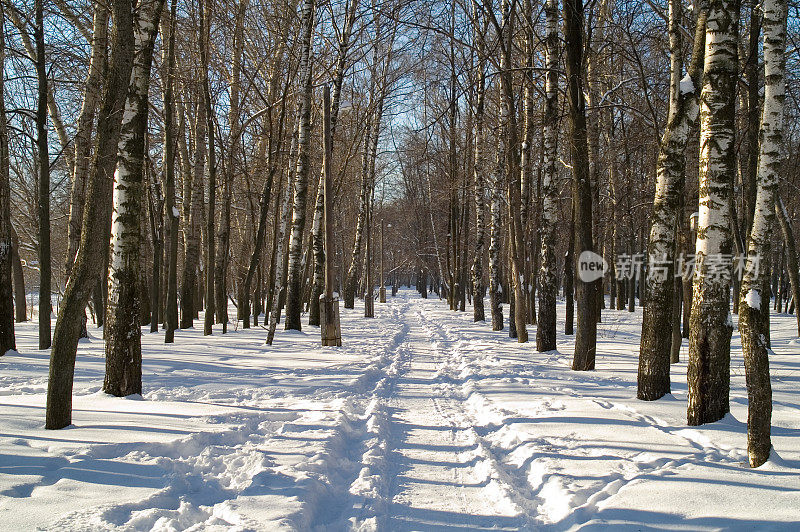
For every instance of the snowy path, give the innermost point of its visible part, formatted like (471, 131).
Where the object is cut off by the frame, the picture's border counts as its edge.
(422, 421)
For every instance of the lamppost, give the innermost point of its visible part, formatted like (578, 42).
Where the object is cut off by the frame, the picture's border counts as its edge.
(330, 325)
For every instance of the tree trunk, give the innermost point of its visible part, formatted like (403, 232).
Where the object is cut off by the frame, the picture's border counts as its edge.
(516, 238)
(708, 373)
(20, 304)
(754, 307)
(83, 133)
(791, 255)
(45, 275)
(317, 225)
(205, 23)
(280, 249)
(479, 170)
(192, 214)
(656, 341)
(294, 304)
(122, 330)
(548, 283)
(586, 335)
(495, 241)
(89, 259)
(8, 247)
(169, 183)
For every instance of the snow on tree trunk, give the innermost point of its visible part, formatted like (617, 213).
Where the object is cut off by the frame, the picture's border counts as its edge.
(708, 372)
(656, 340)
(754, 305)
(89, 259)
(548, 281)
(122, 330)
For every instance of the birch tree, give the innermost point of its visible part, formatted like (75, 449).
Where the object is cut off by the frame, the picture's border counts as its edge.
(123, 335)
(656, 340)
(89, 259)
(344, 43)
(548, 287)
(754, 305)
(708, 372)
(479, 170)
(295, 271)
(495, 241)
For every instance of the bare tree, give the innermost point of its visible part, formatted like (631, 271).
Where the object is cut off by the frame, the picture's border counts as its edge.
(548, 287)
(586, 335)
(754, 306)
(89, 260)
(122, 330)
(708, 373)
(656, 340)
(7, 246)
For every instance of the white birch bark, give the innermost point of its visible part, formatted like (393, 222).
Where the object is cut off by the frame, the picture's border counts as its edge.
(123, 342)
(295, 271)
(755, 293)
(656, 340)
(708, 372)
(548, 276)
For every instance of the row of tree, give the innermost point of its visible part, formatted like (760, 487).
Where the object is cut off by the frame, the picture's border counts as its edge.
(497, 142)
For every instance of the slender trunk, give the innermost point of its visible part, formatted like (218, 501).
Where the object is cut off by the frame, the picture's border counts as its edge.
(193, 207)
(295, 271)
(791, 254)
(8, 246)
(547, 286)
(205, 23)
(516, 240)
(280, 255)
(169, 183)
(708, 373)
(586, 335)
(20, 304)
(495, 241)
(157, 231)
(83, 134)
(45, 276)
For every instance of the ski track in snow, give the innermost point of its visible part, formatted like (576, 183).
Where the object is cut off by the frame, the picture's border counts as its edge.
(422, 421)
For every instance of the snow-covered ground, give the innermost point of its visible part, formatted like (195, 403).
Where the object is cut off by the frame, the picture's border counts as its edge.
(422, 421)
